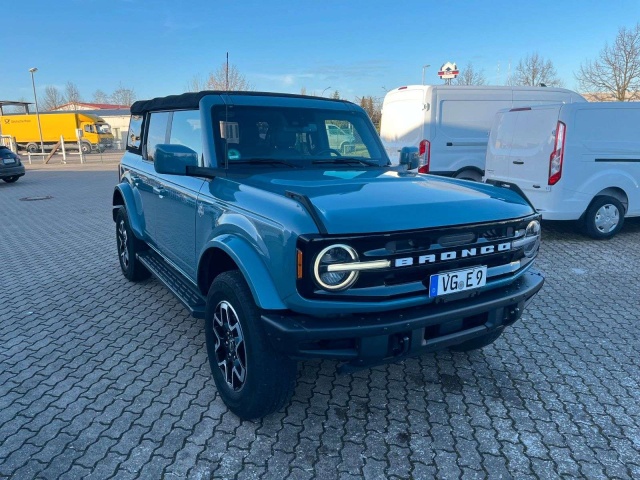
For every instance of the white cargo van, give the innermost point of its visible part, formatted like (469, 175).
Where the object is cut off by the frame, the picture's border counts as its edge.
(578, 161)
(450, 124)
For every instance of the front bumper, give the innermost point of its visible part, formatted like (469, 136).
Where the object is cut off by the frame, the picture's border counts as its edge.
(11, 171)
(368, 339)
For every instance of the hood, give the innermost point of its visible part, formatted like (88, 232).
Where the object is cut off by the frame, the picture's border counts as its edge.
(374, 200)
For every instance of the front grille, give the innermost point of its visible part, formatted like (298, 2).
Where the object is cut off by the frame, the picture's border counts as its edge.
(413, 245)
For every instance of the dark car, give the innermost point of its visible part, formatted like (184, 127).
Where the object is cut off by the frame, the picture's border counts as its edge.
(11, 168)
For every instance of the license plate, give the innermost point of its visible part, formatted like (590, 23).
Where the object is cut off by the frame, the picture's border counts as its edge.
(457, 281)
(8, 161)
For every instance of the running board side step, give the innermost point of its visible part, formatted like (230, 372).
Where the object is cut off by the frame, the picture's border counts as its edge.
(184, 290)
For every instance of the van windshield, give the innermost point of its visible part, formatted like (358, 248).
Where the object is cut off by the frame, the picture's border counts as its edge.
(103, 128)
(298, 137)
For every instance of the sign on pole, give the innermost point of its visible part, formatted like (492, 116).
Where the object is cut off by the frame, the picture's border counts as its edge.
(448, 71)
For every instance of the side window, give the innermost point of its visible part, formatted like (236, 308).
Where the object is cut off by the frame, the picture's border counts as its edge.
(156, 133)
(186, 130)
(89, 129)
(133, 137)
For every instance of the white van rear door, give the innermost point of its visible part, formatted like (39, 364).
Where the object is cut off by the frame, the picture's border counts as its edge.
(533, 143)
(403, 120)
(499, 147)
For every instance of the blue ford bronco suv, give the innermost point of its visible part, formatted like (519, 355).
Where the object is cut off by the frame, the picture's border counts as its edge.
(290, 248)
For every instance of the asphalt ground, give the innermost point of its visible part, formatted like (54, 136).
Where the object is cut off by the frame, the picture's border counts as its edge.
(103, 378)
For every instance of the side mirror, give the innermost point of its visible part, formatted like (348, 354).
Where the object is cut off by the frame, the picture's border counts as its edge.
(409, 156)
(174, 159)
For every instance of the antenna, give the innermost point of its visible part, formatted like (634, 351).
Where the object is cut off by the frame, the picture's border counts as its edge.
(226, 119)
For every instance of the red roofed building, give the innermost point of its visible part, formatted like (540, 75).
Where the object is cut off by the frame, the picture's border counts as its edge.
(91, 106)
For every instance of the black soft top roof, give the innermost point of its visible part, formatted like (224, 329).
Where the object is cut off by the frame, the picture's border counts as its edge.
(191, 100)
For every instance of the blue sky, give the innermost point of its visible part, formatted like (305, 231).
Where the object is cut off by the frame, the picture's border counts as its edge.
(356, 47)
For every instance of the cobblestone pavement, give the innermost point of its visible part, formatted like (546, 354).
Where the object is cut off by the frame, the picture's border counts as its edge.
(103, 378)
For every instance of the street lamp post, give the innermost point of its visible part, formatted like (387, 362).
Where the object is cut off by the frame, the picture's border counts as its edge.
(35, 97)
(322, 95)
(424, 67)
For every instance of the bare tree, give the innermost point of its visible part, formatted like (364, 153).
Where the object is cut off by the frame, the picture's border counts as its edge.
(616, 72)
(71, 93)
(470, 76)
(99, 96)
(373, 107)
(533, 71)
(222, 79)
(335, 95)
(303, 91)
(123, 96)
(52, 98)
(196, 84)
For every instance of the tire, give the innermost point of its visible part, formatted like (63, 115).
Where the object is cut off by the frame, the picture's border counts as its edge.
(128, 247)
(11, 179)
(85, 147)
(471, 175)
(252, 379)
(604, 218)
(476, 343)
(32, 148)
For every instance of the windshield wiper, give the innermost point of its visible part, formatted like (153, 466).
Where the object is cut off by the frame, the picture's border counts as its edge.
(347, 161)
(263, 161)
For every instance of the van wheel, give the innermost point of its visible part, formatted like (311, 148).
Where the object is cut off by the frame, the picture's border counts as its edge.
(85, 147)
(469, 175)
(604, 218)
(252, 378)
(128, 247)
(32, 148)
(476, 343)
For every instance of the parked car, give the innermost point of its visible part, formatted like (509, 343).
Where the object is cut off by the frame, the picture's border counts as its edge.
(340, 139)
(450, 124)
(574, 162)
(289, 250)
(11, 168)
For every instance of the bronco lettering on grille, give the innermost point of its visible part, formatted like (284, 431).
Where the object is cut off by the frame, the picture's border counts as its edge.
(452, 255)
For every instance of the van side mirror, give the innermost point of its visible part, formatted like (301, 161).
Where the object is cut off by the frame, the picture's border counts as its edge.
(174, 159)
(409, 156)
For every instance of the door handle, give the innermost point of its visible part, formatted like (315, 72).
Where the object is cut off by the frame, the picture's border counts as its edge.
(518, 162)
(159, 191)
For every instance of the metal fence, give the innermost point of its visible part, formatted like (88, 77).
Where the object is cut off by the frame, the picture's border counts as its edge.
(70, 152)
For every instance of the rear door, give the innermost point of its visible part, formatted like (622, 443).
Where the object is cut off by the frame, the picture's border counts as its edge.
(404, 114)
(499, 148)
(531, 148)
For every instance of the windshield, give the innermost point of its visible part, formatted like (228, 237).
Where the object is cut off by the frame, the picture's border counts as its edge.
(295, 137)
(103, 128)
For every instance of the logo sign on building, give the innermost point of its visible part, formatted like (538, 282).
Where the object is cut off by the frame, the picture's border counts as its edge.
(448, 71)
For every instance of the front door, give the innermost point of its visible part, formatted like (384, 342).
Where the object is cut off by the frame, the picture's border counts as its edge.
(175, 213)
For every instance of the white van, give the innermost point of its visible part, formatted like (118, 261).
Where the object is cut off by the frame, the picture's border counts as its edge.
(450, 124)
(578, 161)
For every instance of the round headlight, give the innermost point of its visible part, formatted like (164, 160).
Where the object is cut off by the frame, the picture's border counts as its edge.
(533, 230)
(335, 255)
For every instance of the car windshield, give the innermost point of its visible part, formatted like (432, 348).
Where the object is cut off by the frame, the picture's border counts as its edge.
(103, 128)
(284, 137)
(6, 153)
